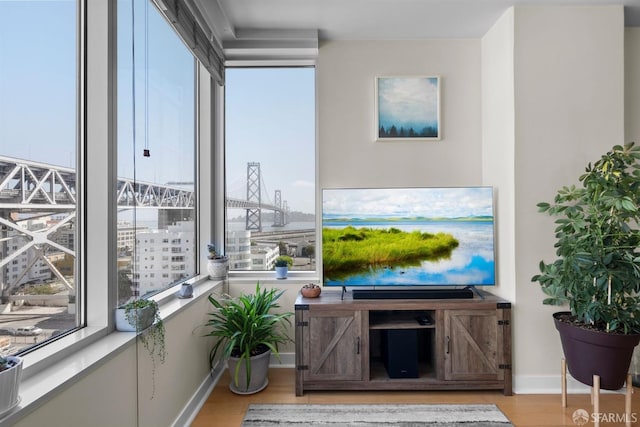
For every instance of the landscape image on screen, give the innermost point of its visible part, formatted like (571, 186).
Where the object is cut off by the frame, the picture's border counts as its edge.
(408, 237)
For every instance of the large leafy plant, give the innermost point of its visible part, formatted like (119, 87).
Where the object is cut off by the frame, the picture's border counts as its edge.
(247, 326)
(598, 267)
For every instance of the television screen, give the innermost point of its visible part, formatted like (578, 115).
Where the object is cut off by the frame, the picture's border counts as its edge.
(408, 237)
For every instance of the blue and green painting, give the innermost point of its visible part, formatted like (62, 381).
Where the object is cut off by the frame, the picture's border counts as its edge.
(408, 107)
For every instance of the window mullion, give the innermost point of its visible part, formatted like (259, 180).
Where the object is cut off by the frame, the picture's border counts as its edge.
(98, 214)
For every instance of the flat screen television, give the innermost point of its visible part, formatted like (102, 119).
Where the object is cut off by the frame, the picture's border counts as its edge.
(408, 237)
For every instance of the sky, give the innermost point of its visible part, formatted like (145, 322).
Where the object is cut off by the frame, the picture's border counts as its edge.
(38, 81)
(270, 113)
(429, 202)
(164, 103)
(270, 118)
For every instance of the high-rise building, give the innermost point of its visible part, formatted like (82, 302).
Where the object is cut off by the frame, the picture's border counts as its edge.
(163, 257)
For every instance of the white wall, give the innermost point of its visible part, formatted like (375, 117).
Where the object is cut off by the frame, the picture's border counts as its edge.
(348, 156)
(569, 101)
(118, 393)
(552, 101)
(632, 85)
(104, 398)
(498, 142)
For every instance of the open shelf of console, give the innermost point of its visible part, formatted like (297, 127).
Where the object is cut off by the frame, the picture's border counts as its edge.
(401, 319)
(347, 344)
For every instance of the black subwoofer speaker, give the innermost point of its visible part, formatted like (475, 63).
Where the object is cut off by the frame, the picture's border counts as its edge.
(400, 352)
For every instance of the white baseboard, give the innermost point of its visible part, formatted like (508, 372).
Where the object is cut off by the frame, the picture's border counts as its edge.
(287, 360)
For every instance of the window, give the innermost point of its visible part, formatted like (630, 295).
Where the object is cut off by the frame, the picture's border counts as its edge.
(38, 146)
(156, 147)
(270, 166)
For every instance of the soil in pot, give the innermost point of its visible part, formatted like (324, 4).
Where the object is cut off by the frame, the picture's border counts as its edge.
(591, 352)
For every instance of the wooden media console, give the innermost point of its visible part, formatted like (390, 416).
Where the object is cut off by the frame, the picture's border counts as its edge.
(402, 344)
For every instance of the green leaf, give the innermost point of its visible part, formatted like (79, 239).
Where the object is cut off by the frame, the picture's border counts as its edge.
(543, 206)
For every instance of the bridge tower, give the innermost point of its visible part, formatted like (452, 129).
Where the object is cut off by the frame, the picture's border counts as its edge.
(278, 214)
(285, 212)
(253, 219)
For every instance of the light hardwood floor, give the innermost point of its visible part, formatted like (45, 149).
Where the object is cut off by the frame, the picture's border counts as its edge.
(225, 409)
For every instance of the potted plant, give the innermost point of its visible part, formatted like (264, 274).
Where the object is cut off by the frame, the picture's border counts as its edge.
(247, 332)
(310, 290)
(282, 264)
(597, 272)
(217, 266)
(10, 375)
(136, 315)
(143, 316)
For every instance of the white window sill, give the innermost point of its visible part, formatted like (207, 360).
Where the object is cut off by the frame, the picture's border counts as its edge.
(269, 277)
(42, 379)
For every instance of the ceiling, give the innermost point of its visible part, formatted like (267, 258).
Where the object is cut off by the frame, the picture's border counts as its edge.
(376, 19)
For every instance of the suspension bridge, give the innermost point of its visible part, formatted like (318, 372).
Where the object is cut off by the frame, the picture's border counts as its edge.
(27, 186)
(33, 193)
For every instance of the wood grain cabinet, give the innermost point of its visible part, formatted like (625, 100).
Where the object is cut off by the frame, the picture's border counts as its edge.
(472, 349)
(343, 344)
(334, 338)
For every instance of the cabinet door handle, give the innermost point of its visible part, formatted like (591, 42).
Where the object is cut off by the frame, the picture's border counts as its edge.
(358, 345)
(448, 344)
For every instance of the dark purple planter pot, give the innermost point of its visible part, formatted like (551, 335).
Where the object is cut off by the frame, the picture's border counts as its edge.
(590, 353)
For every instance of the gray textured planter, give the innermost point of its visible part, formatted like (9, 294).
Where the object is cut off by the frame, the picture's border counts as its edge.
(259, 372)
(218, 268)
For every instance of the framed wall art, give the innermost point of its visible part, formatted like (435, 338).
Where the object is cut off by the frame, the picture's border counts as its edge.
(407, 108)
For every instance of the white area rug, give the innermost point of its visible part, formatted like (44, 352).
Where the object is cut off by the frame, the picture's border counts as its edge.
(446, 415)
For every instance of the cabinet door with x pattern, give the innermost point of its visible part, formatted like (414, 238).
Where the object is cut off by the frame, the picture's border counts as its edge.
(471, 345)
(334, 348)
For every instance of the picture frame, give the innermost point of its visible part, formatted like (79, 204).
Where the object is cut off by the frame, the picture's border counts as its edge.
(407, 108)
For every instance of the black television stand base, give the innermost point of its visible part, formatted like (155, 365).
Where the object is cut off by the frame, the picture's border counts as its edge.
(463, 293)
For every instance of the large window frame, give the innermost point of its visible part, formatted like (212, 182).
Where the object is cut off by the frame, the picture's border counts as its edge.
(266, 275)
(157, 92)
(96, 219)
(41, 257)
(96, 176)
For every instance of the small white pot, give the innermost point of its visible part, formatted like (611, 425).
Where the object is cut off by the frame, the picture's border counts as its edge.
(141, 320)
(218, 268)
(10, 386)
